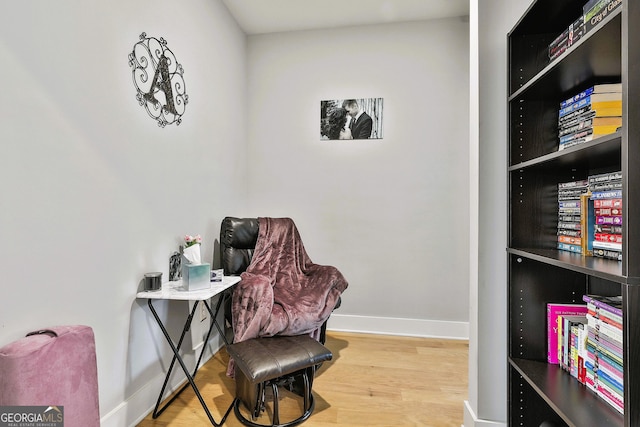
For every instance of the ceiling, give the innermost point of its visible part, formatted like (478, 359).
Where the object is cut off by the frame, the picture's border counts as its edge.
(271, 16)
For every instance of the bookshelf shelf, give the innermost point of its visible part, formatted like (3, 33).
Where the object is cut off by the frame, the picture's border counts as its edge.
(573, 402)
(539, 273)
(597, 267)
(604, 150)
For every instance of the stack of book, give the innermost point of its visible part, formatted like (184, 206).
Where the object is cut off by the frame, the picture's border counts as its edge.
(586, 341)
(595, 11)
(604, 358)
(568, 37)
(569, 219)
(606, 196)
(594, 112)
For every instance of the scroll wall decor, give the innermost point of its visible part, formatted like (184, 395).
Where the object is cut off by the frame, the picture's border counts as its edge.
(158, 79)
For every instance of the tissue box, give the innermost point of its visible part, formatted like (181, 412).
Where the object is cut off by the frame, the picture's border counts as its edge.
(196, 277)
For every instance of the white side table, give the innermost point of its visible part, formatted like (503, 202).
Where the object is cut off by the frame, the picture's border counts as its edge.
(174, 291)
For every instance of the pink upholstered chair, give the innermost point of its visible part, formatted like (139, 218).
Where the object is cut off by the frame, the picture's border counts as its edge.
(54, 367)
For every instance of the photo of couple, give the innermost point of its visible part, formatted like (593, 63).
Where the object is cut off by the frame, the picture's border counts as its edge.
(351, 119)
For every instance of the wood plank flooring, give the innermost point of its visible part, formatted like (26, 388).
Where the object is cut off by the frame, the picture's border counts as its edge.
(373, 380)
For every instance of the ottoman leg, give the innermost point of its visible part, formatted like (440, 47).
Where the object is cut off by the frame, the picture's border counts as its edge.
(307, 392)
(276, 408)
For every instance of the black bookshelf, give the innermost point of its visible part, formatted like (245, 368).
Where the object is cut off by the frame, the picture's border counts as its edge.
(538, 272)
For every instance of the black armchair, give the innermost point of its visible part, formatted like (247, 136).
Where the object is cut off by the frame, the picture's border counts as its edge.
(238, 237)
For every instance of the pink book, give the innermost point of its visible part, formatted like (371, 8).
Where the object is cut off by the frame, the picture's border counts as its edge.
(553, 311)
(611, 398)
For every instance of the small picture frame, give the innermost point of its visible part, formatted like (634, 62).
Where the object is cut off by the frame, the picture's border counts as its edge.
(351, 119)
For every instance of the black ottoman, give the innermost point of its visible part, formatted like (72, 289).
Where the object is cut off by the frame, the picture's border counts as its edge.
(275, 361)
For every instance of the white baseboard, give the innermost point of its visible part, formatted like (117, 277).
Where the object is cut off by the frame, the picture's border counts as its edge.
(399, 326)
(471, 420)
(139, 405)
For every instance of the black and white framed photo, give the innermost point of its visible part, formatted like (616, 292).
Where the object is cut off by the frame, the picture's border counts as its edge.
(345, 119)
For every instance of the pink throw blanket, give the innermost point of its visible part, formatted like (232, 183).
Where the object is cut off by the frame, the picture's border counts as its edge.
(283, 292)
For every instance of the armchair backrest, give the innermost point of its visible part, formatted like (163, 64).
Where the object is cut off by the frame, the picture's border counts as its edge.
(238, 238)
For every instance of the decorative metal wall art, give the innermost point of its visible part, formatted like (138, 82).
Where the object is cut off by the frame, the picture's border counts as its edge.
(158, 79)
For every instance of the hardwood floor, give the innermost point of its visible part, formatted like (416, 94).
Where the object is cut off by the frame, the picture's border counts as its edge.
(373, 380)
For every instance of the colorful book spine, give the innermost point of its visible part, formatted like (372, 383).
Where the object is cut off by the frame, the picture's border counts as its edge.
(604, 328)
(615, 255)
(595, 11)
(606, 237)
(607, 186)
(568, 225)
(569, 204)
(615, 401)
(608, 203)
(604, 177)
(554, 311)
(567, 342)
(582, 95)
(573, 184)
(599, 88)
(608, 211)
(585, 102)
(578, 348)
(610, 347)
(572, 233)
(589, 379)
(604, 364)
(582, 353)
(571, 240)
(614, 229)
(577, 249)
(609, 220)
(612, 373)
(594, 343)
(576, 135)
(612, 304)
(614, 194)
(605, 316)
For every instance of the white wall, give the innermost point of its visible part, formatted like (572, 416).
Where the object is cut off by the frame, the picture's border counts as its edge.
(94, 193)
(392, 214)
(491, 21)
